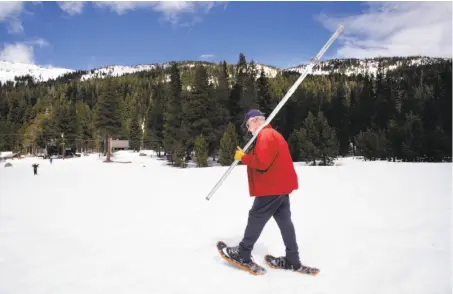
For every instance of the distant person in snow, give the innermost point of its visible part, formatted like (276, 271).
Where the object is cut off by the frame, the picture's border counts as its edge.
(271, 178)
(35, 168)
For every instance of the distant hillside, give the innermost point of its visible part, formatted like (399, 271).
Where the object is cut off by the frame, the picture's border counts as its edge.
(119, 70)
(361, 66)
(10, 71)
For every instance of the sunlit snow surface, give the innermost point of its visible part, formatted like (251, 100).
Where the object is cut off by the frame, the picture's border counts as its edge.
(84, 226)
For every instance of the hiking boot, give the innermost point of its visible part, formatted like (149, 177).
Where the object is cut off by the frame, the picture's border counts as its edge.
(283, 263)
(233, 256)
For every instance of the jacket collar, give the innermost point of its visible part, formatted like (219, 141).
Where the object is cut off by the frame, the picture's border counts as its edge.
(268, 126)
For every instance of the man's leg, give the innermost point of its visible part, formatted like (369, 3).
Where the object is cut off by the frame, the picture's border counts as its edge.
(283, 218)
(262, 210)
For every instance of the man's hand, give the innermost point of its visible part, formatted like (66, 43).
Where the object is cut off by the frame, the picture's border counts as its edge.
(239, 153)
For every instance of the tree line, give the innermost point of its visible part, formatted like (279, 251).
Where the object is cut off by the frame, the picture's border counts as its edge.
(195, 112)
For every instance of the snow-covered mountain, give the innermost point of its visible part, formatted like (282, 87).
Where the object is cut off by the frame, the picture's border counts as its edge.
(118, 70)
(270, 72)
(10, 70)
(361, 66)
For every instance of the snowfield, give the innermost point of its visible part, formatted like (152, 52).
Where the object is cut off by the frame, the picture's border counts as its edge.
(84, 226)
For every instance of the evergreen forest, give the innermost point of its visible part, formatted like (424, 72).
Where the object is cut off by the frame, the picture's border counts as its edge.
(194, 113)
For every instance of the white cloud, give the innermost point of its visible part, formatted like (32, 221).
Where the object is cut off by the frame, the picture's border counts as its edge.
(15, 26)
(17, 52)
(121, 7)
(9, 13)
(207, 56)
(172, 10)
(38, 42)
(23, 51)
(395, 29)
(71, 7)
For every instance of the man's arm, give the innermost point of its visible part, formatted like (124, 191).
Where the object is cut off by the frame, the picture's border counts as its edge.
(265, 152)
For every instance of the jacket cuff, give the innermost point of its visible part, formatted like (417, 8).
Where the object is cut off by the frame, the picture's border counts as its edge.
(245, 158)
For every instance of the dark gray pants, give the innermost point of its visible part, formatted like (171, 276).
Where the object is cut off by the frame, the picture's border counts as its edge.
(263, 209)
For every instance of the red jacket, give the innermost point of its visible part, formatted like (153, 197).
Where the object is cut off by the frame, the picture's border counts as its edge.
(270, 168)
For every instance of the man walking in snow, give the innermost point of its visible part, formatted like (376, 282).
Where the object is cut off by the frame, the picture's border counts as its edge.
(271, 178)
(35, 168)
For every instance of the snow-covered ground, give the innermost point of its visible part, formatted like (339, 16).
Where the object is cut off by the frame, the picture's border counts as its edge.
(84, 226)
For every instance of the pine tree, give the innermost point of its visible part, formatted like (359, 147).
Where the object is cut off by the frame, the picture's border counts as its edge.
(264, 97)
(395, 139)
(309, 140)
(4, 109)
(294, 143)
(4, 144)
(85, 130)
(242, 96)
(179, 154)
(366, 104)
(379, 96)
(248, 98)
(220, 114)
(354, 116)
(234, 108)
(48, 132)
(436, 145)
(222, 96)
(127, 108)
(201, 151)
(340, 118)
(329, 144)
(372, 144)
(66, 117)
(135, 132)
(412, 132)
(385, 102)
(445, 100)
(108, 118)
(15, 119)
(199, 111)
(173, 113)
(17, 109)
(228, 145)
(155, 119)
(318, 140)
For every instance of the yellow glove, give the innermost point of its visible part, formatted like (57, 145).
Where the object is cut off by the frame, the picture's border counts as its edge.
(238, 155)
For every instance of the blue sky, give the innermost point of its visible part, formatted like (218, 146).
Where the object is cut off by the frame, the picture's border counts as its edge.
(81, 35)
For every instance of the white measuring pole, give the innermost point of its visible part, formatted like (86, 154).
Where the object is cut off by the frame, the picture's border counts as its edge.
(293, 88)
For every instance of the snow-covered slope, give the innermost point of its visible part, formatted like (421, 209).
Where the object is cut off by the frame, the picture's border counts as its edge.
(361, 66)
(119, 70)
(84, 226)
(10, 70)
(268, 71)
(116, 71)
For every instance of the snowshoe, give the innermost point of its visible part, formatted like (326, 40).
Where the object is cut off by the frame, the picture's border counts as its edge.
(231, 254)
(282, 263)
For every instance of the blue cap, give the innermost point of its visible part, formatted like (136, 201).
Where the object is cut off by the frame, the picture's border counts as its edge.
(251, 113)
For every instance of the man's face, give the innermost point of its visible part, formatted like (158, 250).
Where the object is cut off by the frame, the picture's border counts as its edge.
(252, 125)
